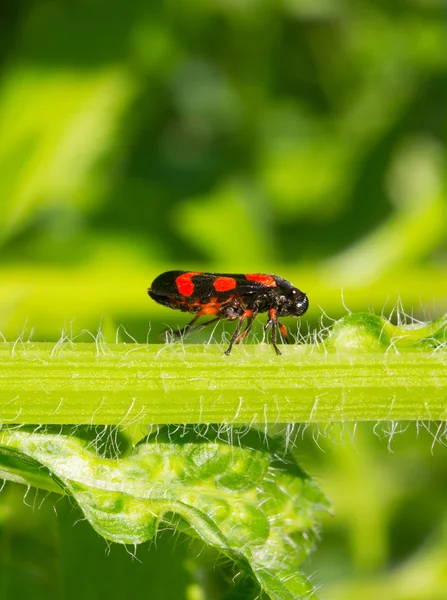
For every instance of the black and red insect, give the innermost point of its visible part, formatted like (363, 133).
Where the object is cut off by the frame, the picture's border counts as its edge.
(230, 297)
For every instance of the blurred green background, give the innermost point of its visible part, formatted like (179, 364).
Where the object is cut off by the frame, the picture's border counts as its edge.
(301, 137)
(304, 138)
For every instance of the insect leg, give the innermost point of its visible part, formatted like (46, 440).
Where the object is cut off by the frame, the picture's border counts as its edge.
(275, 336)
(273, 323)
(248, 314)
(283, 330)
(246, 331)
(189, 329)
(201, 326)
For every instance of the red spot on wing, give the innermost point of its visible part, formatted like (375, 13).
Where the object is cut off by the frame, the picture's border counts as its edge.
(267, 280)
(224, 284)
(184, 284)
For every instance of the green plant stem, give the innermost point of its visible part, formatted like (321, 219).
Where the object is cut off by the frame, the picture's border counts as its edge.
(78, 383)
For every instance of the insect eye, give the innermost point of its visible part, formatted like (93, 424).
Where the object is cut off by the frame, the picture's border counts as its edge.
(302, 305)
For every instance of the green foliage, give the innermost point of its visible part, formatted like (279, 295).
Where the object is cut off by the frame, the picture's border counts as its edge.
(237, 492)
(192, 137)
(304, 138)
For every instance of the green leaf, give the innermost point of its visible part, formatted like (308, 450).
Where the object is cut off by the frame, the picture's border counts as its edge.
(236, 490)
(48, 158)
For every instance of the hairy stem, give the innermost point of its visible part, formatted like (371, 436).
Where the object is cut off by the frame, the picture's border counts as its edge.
(366, 369)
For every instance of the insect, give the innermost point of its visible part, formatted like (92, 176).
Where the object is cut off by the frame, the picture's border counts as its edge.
(230, 297)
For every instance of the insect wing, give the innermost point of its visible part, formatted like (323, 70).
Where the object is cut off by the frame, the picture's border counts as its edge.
(241, 284)
(186, 284)
(167, 284)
